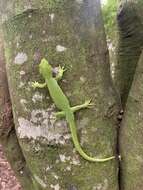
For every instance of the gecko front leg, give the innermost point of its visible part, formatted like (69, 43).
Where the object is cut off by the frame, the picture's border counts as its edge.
(62, 103)
(38, 85)
(59, 76)
(60, 73)
(87, 104)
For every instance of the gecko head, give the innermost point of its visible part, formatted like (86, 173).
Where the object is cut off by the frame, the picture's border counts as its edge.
(45, 68)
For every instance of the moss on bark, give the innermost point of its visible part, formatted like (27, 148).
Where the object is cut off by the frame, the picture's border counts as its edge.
(8, 136)
(73, 37)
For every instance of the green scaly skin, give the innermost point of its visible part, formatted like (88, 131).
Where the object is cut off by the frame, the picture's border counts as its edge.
(63, 104)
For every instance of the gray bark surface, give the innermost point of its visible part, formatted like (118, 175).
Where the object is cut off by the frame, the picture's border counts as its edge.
(68, 33)
(129, 80)
(131, 140)
(8, 136)
(129, 47)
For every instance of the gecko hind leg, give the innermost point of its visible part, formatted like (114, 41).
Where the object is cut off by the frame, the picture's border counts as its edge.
(87, 104)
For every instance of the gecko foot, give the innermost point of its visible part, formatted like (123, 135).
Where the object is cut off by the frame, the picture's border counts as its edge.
(88, 104)
(61, 71)
(38, 85)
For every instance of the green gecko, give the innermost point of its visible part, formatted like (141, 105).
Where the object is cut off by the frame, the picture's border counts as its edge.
(63, 104)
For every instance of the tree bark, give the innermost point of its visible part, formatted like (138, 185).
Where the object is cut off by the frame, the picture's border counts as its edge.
(68, 33)
(8, 137)
(129, 46)
(130, 80)
(131, 135)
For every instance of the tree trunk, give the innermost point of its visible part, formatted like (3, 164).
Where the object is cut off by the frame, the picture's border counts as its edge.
(130, 83)
(8, 136)
(131, 140)
(68, 33)
(130, 43)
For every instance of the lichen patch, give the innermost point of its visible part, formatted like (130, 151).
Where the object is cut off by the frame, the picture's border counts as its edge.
(29, 130)
(30, 36)
(43, 124)
(52, 15)
(20, 58)
(37, 97)
(23, 103)
(68, 168)
(22, 72)
(62, 158)
(55, 187)
(82, 79)
(55, 176)
(75, 161)
(48, 168)
(60, 48)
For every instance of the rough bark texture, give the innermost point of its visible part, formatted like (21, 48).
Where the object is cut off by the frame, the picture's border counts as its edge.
(130, 44)
(131, 141)
(131, 88)
(69, 33)
(8, 136)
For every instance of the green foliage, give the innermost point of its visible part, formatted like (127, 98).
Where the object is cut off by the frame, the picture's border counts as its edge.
(109, 16)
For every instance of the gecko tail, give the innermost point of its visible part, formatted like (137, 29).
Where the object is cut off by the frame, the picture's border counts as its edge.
(71, 122)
